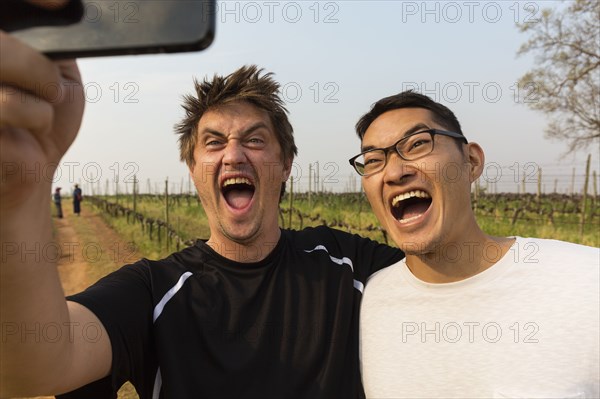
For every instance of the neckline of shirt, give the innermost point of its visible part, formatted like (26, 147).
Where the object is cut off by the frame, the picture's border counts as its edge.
(227, 263)
(501, 267)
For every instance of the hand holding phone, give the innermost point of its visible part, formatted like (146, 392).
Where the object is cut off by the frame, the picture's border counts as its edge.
(37, 125)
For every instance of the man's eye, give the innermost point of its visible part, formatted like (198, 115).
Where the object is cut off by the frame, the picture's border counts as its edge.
(256, 141)
(373, 159)
(212, 143)
(419, 143)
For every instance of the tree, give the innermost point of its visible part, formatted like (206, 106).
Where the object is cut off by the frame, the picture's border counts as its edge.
(565, 84)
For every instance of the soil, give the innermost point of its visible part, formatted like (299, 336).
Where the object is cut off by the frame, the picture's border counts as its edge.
(73, 267)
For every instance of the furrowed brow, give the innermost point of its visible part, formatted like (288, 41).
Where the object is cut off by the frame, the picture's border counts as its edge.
(253, 128)
(213, 132)
(250, 130)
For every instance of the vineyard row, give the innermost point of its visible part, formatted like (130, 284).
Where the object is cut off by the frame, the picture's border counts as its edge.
(553, 209)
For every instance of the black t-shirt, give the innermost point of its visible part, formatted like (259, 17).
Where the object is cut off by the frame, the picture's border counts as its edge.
(197, 325)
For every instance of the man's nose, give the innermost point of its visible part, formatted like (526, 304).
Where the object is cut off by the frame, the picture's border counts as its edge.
(234, 153)
(397, 169)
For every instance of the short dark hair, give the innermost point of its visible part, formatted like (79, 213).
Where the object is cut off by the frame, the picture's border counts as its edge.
(246, 84)
(409, 99)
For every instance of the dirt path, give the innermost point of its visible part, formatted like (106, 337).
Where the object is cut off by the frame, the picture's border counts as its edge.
(72, 265)
(89, 250)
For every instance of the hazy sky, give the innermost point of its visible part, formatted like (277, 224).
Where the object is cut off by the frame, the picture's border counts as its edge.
(334, 59)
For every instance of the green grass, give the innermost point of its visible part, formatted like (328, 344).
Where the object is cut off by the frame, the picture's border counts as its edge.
(132, 233)
(351, 212)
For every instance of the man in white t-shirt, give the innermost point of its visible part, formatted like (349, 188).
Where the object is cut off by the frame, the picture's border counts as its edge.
(465, 314)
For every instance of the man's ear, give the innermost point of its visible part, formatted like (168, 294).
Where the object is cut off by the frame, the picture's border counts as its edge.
(476, 161)
(287, 169)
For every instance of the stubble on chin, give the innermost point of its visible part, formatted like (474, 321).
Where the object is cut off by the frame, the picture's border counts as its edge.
(421, 248)
(242, 238)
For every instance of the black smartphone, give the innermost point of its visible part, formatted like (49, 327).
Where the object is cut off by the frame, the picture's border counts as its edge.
(93, 28)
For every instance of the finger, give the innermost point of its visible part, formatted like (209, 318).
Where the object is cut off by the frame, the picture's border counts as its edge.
(23, 67)
(25, 111)
(68, 114)
(71, 88)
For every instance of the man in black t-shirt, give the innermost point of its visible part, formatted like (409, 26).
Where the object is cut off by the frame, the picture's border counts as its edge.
(255, 311)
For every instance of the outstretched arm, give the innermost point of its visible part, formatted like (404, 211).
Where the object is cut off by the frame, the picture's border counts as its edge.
(43, 348)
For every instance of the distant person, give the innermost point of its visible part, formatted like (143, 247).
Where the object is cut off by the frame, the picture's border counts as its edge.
(77, 197)
(465, 314)
(255, 311)
(58, 202)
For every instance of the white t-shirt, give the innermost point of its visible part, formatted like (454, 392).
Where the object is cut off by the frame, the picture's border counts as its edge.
(527, 327)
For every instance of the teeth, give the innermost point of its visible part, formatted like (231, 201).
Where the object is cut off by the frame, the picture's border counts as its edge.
(236, 180)
(409, 219)
(416, 193)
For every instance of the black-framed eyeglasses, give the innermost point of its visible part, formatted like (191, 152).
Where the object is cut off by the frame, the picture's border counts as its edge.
(409, 148)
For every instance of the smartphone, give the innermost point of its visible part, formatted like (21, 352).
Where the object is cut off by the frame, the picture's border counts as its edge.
(113, 27)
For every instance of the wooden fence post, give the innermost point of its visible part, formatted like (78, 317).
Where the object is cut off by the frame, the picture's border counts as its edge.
(317, 177)
(595, 198)
(134, 193)
(117, 188)
(291, 201)
(539, 185)
(167, 208)
(309, 185)
(584, 197)
(189, 193)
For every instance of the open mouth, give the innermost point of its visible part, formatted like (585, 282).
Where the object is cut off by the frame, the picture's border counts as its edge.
(410, 206)
(238, 192)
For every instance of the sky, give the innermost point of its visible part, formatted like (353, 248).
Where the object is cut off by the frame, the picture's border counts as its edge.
(334, 59)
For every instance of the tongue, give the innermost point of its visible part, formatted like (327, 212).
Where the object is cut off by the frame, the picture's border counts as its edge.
(238, 199)
(414, 209)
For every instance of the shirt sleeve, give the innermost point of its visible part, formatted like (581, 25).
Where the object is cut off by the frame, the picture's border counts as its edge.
(372, 256)
(367, 256)
(123, 302)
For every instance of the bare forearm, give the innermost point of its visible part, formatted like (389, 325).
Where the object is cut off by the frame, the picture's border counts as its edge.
(34, 318)
(33, 313)
(41, 350)
(44, 349)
